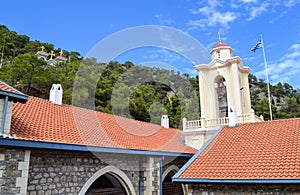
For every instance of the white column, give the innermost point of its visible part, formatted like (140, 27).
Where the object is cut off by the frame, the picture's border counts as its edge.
(23, 166)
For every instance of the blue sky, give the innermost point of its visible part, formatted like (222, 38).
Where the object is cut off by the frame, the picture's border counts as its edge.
(80, 25)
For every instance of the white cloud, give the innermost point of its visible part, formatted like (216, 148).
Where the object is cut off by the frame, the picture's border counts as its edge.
(295, 47)
(221, 14)
(242, 3)
(248, 1)
(256, 11)
(289, 3)
(164, 20)
(213, 17)
(278, 16)
(287, 69)
(162, 55)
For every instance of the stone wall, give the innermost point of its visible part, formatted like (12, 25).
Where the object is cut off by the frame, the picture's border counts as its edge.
(64, 172)
(207, 189)
(14, 164)
(39, 172)
(151, 176)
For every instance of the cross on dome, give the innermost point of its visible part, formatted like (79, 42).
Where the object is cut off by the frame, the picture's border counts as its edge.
(51, 55)
(219, 35)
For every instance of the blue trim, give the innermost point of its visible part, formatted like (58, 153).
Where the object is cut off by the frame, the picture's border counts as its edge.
(4, 114)
(14, 96)
(186, 165)
(237, 181)
(74, 147)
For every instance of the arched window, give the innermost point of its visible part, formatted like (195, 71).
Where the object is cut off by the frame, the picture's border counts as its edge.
(221, 94)
(106, 184)
(108, 180)
(168, 186)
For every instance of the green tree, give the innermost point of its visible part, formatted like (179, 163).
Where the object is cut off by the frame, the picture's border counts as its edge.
(29, 72)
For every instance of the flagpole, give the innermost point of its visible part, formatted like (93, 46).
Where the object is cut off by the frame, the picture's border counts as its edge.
(268, 84)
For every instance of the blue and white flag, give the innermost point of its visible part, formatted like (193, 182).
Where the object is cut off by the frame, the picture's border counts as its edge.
(257, 46)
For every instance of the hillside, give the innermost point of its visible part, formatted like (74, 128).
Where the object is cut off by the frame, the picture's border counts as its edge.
(127, 89)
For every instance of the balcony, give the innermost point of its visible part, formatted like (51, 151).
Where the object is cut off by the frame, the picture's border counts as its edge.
(218, 122)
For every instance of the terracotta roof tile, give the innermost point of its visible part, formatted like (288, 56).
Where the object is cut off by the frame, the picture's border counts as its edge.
(220, 45)
(40, 120)
(266, 150)
(5, 87)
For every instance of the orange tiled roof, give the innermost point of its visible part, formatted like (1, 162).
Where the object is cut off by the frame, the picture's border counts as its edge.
(220, 45)
(40, 120)
(5, 87)
(266, 150)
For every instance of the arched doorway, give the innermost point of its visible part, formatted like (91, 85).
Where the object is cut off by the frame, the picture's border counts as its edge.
(168, 186)
(108, 181)
(221, 97)
(106, 184)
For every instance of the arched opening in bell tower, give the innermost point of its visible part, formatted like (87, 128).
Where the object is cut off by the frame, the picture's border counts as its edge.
(221, 97)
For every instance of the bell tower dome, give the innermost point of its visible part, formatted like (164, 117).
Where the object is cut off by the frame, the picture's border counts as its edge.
(223, 84)
(221, 50)
(224, 96)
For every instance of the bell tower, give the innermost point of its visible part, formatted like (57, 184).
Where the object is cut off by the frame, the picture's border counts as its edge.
(223, 84)
(224, 96)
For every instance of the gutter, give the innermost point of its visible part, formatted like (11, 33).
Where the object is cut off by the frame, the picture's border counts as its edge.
(237, 181)
(77, 147)
(14, 96)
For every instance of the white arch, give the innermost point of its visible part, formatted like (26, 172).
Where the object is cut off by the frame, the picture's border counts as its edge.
(185, 187)
(168, 170)
(117, 173)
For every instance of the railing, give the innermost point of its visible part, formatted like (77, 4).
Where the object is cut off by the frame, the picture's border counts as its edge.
(244, 118)
(193, 124)
(217, 122)
(259, 119)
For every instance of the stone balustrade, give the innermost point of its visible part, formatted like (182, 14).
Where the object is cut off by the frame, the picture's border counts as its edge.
(217, 122)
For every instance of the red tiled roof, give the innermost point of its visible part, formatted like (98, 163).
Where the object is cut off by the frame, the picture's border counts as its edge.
(266, 150)
(220, 45)
(6, 87)
(40, 120)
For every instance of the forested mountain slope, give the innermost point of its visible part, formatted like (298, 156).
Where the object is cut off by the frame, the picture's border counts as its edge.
(129, 90)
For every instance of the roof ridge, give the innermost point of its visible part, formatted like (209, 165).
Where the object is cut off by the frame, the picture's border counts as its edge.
(269, 121)
(41, 120)
(108, 114)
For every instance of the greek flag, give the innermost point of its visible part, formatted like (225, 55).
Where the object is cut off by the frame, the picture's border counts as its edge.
(257, 46)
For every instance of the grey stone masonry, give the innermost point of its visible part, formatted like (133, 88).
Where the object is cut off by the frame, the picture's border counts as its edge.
(66, 172)
(40, 171)
(14, 164)
(151, 176)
